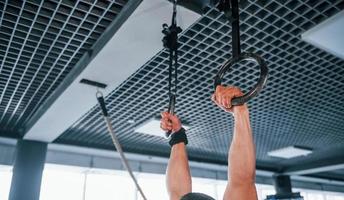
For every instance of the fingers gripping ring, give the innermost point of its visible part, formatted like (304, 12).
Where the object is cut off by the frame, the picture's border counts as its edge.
(257, 88)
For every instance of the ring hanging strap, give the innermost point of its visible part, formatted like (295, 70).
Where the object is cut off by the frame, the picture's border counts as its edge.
(231, 9)
(236, 50)
(170, 42)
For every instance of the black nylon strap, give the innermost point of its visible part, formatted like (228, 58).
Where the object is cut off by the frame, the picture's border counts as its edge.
(231, 10)
(170, 42)
(235, 29)
(178, 137)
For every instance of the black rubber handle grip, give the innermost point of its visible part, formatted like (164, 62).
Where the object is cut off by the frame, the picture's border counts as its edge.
(257, 88)
(101, 102)
(171, 107)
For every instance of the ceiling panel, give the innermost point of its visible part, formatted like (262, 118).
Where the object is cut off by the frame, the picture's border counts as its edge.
(40, 43)
(303, 103)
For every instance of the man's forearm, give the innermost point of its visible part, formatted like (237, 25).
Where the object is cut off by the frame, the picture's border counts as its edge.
(242, 157)
(178, 174)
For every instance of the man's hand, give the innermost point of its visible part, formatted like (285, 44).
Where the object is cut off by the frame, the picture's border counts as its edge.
(223, 98)
(170, 122)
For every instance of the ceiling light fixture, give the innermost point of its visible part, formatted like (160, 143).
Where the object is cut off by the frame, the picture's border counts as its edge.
(328, 35)
(290, 152)
(152, 127)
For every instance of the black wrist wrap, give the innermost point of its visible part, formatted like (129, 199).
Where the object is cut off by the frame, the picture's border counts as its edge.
(178, 137)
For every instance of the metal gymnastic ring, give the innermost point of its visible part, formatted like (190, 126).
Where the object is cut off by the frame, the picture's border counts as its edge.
(258, 87)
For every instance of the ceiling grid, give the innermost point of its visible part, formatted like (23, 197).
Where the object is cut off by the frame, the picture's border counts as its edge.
(301, 105)
(40, 43)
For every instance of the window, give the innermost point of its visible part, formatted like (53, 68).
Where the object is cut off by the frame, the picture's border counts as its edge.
(5, 181)
(62, 183)
(108, 185)
(76, 183)
(153, 186)
(334, 197)
(220, 189)
(264, 190)
(205, 186)
(314, 196)
(319, 195)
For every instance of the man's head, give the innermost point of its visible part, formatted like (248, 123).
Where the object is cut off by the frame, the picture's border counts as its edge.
(196, 196)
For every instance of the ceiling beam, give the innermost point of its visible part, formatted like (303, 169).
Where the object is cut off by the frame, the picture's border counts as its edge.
(135, 42)
(324, 165)
(83, 62)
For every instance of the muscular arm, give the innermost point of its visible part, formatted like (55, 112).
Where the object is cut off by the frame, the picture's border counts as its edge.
(178, 178)
(241, 155)
(241, 159)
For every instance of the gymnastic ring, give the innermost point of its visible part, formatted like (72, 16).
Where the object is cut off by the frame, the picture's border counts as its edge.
(258, 87)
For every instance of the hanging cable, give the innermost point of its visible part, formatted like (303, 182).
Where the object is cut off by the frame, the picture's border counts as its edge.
(170, 42)
(115, 141)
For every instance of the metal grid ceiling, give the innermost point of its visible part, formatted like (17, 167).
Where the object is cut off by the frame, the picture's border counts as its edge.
(303, 103)
(40, 42)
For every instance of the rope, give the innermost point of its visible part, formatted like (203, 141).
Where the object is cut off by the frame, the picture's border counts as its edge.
(170, 42)
(115, 141)
(172, 88)
(174, 15)
(123, 158)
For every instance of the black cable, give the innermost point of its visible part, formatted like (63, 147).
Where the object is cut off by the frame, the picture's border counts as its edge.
(174, 14)
(170, 42)
(176, 72)
(170, 73)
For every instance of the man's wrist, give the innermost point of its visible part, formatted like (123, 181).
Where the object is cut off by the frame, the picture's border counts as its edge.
(178, 137)
(241, 110)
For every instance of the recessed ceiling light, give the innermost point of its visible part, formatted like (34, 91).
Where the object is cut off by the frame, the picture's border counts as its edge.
(328, 35)
(152, 127)
(290, 152)
(131, 121)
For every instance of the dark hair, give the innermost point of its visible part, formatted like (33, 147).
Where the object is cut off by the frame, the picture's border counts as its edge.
(196, 196)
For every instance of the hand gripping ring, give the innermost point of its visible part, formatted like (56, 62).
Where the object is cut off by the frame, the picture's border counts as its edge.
(258, 87)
